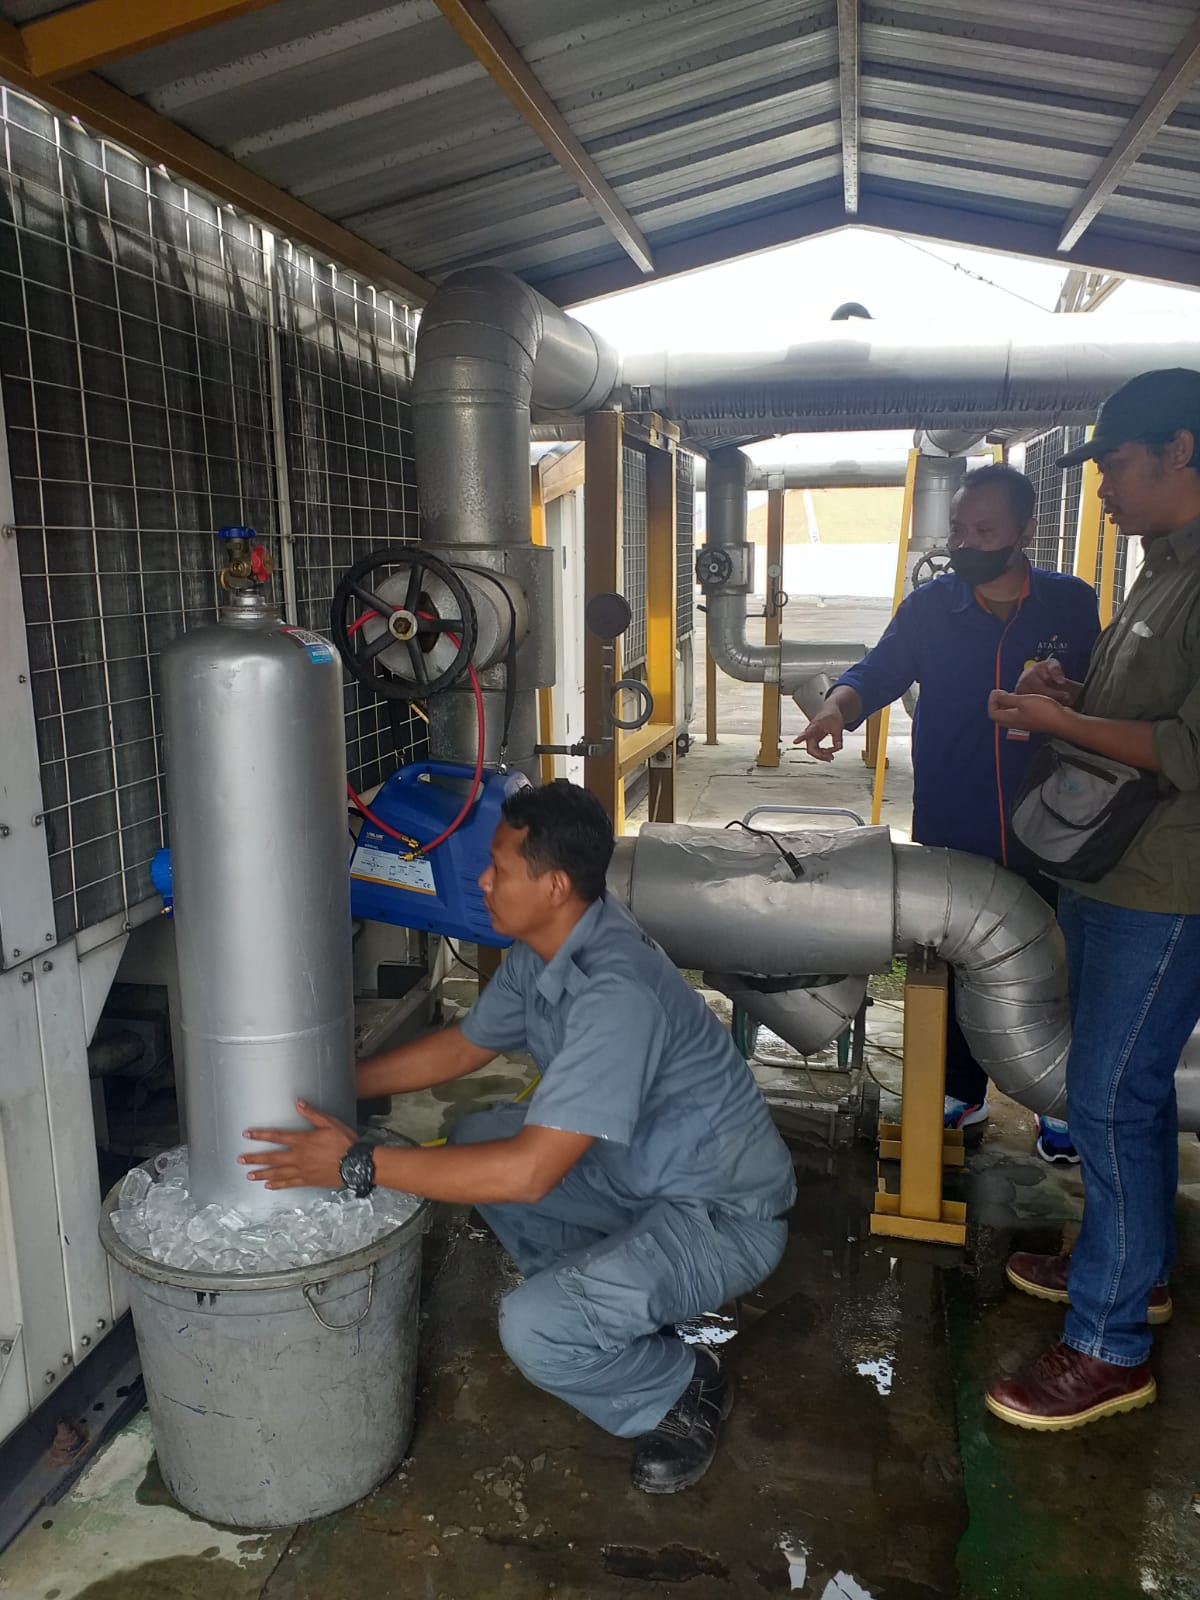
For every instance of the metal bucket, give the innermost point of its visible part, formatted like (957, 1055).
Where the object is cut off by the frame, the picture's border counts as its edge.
(282, 1396)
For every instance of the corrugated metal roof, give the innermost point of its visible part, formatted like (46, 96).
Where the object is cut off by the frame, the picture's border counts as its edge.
(715, 121)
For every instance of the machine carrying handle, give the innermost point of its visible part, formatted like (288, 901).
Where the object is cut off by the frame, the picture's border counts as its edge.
(414, 771)
(341, 1327)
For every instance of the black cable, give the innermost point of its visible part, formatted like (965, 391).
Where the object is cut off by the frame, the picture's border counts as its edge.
(761, 833)
(459, 957)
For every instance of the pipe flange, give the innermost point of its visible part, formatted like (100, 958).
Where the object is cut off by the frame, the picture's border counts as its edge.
(714, 567)
(938, 563)
(415, 625)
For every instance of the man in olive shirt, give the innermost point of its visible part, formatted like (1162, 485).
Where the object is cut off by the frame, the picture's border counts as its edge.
(1133, 936)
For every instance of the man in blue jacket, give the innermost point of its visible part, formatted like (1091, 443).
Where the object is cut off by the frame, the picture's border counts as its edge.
(961, 636)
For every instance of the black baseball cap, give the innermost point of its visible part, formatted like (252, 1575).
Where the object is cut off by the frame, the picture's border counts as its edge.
(1153, 406)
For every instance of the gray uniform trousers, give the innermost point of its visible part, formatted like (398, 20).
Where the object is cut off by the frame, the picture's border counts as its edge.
(602, 1277)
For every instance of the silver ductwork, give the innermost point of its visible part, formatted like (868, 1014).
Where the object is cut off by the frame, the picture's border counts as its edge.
(724, 899)
(801, 669)
(719, 898)
(489, 351)
(842, 472)
(862, 375)
(807, 1018)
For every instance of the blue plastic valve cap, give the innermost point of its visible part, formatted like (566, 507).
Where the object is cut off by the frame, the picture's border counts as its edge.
(160, 872)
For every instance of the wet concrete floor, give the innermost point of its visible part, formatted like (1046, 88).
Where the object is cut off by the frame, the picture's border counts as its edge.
(858, 1463)
(858, 1460)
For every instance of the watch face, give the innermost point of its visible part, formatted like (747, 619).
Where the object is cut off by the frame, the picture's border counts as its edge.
(357, 1168)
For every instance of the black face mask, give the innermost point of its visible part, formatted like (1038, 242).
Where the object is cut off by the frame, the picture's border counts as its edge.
(975, 567)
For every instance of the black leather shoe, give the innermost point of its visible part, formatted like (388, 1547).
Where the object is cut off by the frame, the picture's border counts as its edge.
(680, 1450)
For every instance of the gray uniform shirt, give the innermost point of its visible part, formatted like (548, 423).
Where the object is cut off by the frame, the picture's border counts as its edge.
(631, 1055)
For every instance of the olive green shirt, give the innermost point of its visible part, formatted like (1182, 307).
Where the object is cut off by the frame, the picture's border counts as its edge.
(1146, 668)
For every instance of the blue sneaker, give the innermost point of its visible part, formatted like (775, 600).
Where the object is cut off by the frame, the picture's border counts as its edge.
(958, 1114)
(1054, 1143)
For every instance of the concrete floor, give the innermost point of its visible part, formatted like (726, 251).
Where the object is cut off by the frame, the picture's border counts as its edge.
(858, 1461)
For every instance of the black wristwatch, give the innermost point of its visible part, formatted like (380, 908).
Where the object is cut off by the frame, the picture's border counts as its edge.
(357, 1168)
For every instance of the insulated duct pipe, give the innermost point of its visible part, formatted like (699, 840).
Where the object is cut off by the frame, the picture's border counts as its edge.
(808, 1017)
(489, 349)
(860, 375)
(724, 899)
(727, 900)
(844, 473)
(801, 669)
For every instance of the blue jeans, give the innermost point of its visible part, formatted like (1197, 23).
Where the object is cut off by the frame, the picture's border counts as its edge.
(1135, 998)
(603, 1276)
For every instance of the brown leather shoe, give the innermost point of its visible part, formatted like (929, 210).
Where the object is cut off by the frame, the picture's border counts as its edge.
(1045, 1277)
(1066, 1389)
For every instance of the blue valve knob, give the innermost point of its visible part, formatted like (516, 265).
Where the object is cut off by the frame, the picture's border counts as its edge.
(237, 533)
(160, 877)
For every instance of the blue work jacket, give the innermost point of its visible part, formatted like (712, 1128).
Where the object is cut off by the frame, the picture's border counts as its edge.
(966, 768)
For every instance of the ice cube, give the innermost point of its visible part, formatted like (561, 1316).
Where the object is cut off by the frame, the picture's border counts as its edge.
(135, 1186)
(205, 1225)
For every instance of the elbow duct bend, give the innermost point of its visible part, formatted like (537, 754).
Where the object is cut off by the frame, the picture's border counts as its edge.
(726, 901)
(489, 349)
(807, 1018)
(801, 668)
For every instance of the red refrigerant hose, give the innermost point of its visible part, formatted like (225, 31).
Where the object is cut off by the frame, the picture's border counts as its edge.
(378, 822)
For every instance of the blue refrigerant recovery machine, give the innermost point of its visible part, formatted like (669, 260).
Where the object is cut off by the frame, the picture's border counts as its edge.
(391, 880)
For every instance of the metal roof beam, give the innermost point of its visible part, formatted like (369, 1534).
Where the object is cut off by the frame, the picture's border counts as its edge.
(126, 121)
(1083, 291)
(99, 31)
(1168, 89)
(1014, 236)
(849, 78)
(487, 41)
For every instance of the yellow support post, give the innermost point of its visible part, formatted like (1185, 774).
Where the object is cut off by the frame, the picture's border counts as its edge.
(602, 525)
(1108, 569)
(1091, 522)
(768, 744)
(910, 480)
(661, 624)
(923, 1145)
(545, 696)
(710, 690)
(870, 750)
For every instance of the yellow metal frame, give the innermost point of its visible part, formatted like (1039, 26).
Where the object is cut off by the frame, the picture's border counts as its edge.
(772, 717)
(98, 32)
(920, 1142)
(537, 503)
(710, 690)
(605, 435)
(902, 544)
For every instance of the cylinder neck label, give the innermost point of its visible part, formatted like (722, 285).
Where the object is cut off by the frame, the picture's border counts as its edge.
(316, 648)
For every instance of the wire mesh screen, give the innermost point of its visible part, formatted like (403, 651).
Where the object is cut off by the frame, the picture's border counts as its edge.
(1058, 493)
(1120, 564)
(135, 359)
(633, 553)
(685, 508)
(347, 358)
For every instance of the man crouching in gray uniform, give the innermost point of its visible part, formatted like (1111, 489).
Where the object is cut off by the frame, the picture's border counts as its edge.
(641, 1185)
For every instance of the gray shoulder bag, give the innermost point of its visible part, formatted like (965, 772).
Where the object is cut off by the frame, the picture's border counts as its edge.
(1077, 813)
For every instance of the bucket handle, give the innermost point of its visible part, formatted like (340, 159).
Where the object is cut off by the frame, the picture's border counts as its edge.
(341, 1327)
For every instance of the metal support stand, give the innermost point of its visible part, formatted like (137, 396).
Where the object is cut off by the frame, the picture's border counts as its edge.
(772, 711)
(919, 1142)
